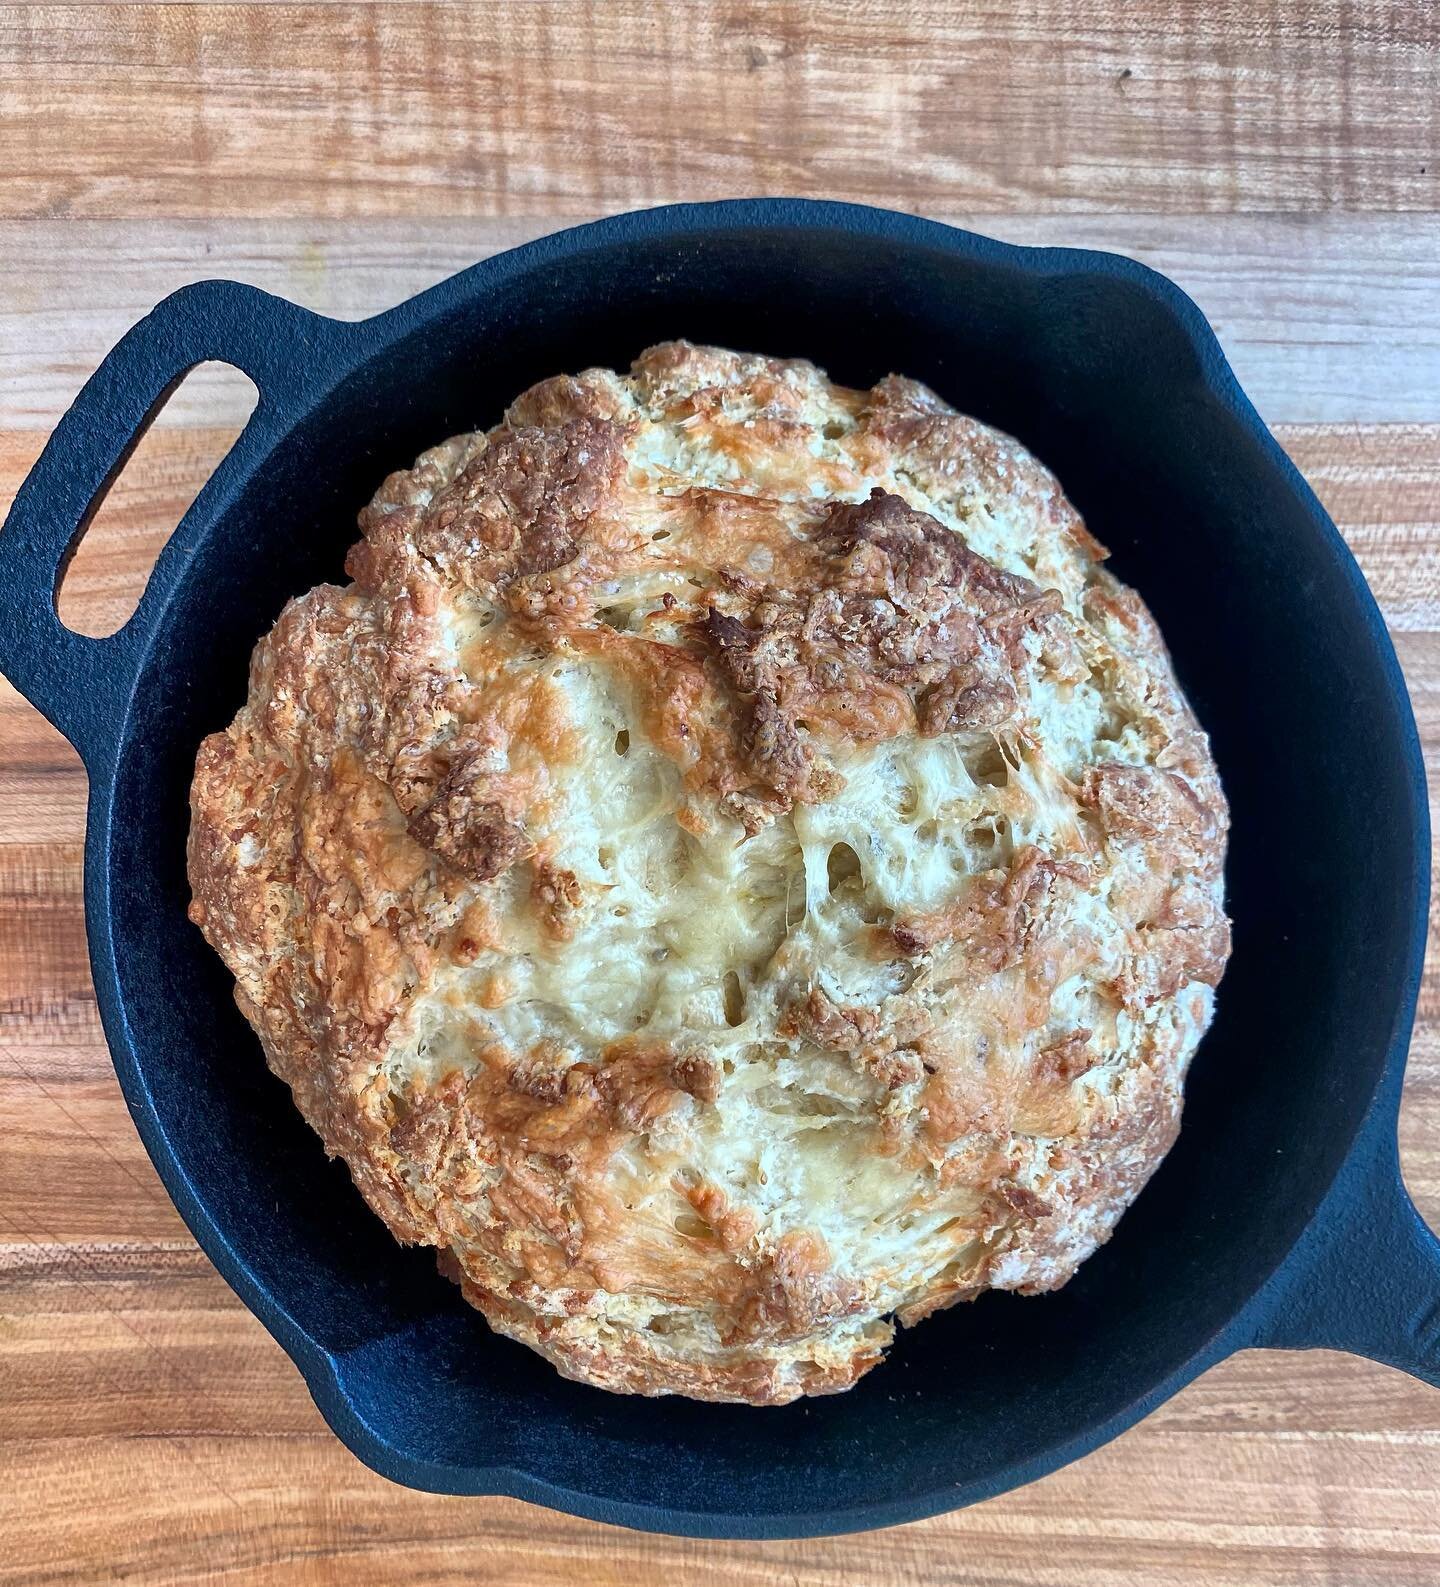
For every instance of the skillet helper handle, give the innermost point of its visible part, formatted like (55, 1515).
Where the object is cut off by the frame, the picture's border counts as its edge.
(1366, 1275)
(82, 685)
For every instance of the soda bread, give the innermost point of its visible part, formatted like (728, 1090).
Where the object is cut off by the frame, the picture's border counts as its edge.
(731, 869)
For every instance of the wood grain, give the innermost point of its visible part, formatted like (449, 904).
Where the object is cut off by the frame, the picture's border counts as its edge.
(543, 109)
(1280, 159)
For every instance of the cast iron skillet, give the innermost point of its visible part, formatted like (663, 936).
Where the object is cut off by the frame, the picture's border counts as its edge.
(1280, 1217)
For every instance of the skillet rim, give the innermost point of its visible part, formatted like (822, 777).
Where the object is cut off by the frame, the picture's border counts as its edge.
(367, 339)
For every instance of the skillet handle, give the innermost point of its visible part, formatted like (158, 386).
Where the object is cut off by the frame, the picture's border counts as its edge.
(1366, 1274)
(83, 685)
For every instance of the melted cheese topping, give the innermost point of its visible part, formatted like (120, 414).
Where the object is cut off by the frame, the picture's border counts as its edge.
(729, 992)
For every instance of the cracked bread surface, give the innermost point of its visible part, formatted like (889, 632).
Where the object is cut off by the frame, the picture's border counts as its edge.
(731, 869)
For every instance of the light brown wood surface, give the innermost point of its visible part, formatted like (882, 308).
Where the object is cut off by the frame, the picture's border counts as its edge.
(1281, 160)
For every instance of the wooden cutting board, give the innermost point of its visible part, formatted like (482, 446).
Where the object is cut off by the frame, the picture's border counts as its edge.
(1282, 161)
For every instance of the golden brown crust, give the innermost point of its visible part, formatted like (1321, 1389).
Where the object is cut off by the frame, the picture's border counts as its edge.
(731, 868)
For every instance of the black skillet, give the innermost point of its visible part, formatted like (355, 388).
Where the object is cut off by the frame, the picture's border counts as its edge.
(1279, 1219)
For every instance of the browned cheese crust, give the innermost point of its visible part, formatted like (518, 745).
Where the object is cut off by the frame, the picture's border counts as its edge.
(730, 869)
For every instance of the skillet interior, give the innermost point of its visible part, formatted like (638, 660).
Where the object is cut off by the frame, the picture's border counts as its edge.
(1276, 643)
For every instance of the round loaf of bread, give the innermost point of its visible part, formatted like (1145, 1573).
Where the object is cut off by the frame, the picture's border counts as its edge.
(731, 869)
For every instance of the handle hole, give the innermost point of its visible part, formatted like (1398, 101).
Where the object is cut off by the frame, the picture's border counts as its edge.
(181, 448)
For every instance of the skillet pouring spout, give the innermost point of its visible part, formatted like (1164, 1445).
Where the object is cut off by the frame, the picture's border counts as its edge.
(1365, 1277)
